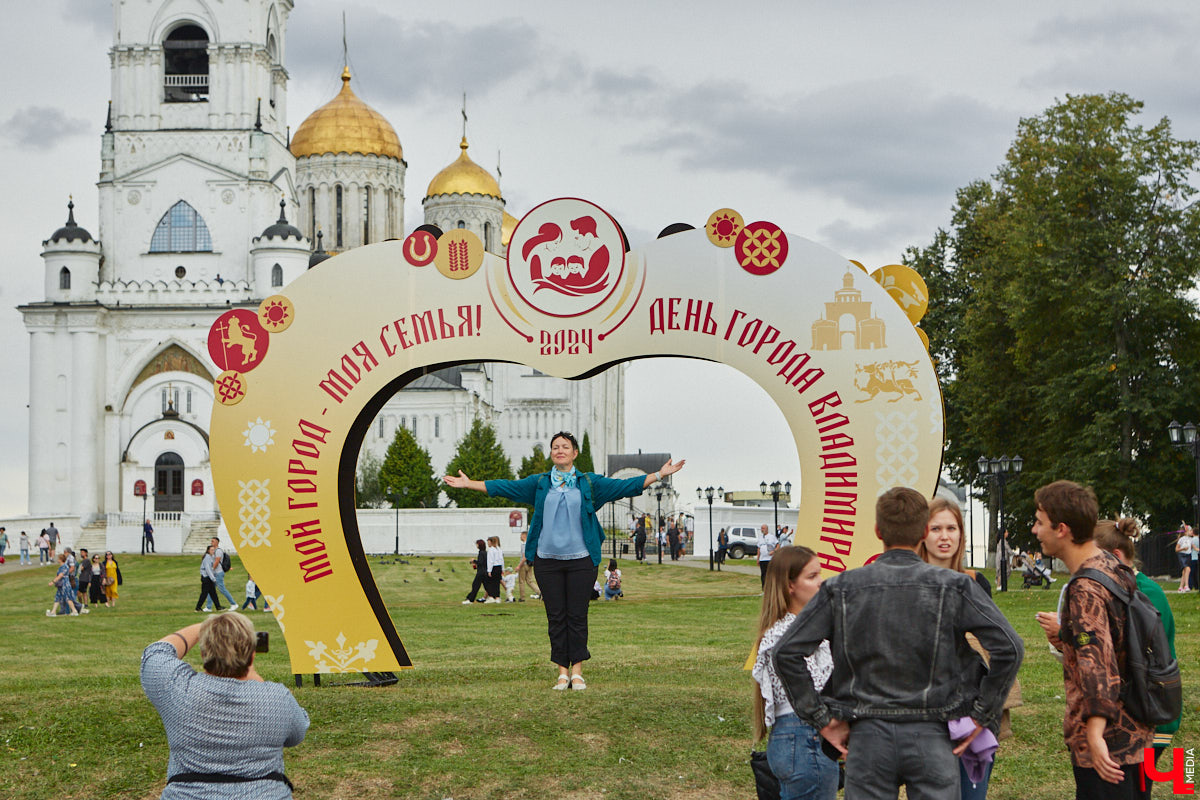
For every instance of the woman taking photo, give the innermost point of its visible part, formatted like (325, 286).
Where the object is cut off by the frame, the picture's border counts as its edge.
(226, 727)
(564, 542)
(794, 749)
(943, 546)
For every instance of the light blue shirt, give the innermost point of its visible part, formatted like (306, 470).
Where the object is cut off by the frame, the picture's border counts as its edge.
(562, 531)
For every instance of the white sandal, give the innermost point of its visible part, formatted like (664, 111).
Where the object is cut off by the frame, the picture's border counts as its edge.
(563, 683)
(578, 683)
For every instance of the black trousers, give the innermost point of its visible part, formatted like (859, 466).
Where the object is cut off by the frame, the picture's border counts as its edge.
(639, 549)
(208, 588)
(762, 572)
(1090, 786)
(491, 584)
(475, 585)
(566, 591)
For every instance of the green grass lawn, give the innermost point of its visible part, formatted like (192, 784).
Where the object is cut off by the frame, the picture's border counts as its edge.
(666, 714)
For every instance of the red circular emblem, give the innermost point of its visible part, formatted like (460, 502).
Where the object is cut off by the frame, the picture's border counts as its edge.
(761, 248)
(230, 388)
(566, 257)
(420, 248)
(237, 341)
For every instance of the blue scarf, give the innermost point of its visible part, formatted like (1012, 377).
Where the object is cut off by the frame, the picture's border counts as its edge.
(559, 478)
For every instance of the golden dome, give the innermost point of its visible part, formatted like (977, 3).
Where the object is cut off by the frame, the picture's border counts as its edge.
(464, 176)
(346, 125)
(508, 224)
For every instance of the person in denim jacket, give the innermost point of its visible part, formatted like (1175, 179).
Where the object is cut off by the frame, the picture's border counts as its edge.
(902, 668)
(564, 542)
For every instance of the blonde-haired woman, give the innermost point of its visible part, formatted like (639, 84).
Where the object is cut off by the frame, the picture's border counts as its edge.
(226, 727)
(794, 748)
(943, 546)
(495, 569)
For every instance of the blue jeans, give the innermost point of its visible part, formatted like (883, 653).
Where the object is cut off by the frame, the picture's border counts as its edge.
(794, 755)
(974, 791)
(220, 584)
(609, 594)
(25, 555)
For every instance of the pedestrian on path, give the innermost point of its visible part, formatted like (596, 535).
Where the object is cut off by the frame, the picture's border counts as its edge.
(23, 542)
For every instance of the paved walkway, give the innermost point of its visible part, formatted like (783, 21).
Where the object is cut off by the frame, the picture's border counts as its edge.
(745, 566)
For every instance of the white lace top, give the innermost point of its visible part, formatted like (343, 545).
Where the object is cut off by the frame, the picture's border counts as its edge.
(820, 666)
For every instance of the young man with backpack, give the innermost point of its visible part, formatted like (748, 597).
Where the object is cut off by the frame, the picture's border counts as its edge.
(220, 565)
(1105, 740)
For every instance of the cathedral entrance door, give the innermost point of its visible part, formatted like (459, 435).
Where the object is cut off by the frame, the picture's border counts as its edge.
(168, 483)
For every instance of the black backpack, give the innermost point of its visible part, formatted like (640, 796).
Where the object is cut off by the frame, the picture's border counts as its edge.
(1151, 688)
(226, 562)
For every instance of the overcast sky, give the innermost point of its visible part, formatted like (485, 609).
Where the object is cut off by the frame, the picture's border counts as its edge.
(851, 124)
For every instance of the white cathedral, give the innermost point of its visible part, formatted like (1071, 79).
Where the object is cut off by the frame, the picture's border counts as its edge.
(206, 205)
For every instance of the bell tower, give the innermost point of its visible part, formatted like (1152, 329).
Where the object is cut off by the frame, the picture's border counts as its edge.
(194, 154)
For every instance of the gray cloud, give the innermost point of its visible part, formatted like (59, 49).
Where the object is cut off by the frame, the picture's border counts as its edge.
(1120, 29)
(866, 143)
(401, 61)
(41, 127)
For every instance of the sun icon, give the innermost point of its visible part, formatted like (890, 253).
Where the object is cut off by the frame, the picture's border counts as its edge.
(723, 227)
(259, 435)
(276, 313)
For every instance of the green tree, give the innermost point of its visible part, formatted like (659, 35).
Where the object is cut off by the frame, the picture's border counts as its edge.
(482, 458)
(534, 463)
(368, 490)
(583, 462)
(1061, 326)
(406, 476)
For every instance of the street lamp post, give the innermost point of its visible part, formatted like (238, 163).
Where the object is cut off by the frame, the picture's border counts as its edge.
(997, 471)
(777, 490)
(707, 494)
(1184, 437)
(658, 493)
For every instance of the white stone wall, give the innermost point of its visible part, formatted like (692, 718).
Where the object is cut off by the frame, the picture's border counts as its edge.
(316, 180)
(476, 210)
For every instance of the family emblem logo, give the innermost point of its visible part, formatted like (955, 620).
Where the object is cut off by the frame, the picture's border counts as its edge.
(566, 257)
(1183, 769)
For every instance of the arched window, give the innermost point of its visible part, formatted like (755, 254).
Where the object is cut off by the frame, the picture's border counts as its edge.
(462, 224)
(276, 276)
(181, 230)
(337, 242)
(367, 214)
(185, 59)
(391, 214)
(487, 236)
(64, 278)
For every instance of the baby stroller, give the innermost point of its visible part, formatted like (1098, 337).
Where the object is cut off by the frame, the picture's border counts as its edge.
(1035, 574)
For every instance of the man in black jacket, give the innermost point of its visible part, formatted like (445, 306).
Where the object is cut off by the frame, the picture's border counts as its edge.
(902, 668)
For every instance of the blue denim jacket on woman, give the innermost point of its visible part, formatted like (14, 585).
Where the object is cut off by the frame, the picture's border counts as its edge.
(895, 629)
(596, 490)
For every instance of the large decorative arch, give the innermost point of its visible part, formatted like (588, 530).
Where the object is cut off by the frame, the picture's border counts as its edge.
(305, 375)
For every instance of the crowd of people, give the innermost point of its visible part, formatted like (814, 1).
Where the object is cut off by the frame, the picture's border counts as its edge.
(919, 697)
(84, 581)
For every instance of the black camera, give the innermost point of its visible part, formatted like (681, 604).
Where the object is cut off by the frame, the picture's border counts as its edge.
(262, 644)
